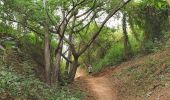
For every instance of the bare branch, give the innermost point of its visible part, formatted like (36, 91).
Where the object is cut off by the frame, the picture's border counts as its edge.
(94, 3)
(101, 27)
(76, 31)
(66, 58)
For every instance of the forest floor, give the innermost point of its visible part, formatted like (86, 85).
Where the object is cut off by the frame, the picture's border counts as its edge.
(142, 78)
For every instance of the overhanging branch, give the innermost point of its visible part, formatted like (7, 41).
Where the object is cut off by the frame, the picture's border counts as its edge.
(113, 11)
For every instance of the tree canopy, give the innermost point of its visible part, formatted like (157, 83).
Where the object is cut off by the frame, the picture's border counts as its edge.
(68, 33)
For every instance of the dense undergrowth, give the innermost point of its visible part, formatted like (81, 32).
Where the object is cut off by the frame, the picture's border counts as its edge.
(114, 55)
(19, 82)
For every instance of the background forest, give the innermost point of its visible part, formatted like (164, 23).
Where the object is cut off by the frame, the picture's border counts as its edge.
(43, 42)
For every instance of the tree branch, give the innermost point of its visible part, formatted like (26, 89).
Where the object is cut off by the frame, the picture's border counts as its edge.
(101, 27)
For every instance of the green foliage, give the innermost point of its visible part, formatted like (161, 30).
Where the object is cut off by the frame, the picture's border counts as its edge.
(8, 31)
(150, 47)
(148, 20)
(149, 17)
(167, 39)
(113, 56)
(135, 45)
(33, 46)
(19, 86)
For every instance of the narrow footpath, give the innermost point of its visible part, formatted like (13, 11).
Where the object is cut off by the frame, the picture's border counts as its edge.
(99, 88)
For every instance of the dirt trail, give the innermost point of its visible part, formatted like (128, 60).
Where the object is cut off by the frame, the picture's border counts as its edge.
(99, 88)
(102, 88)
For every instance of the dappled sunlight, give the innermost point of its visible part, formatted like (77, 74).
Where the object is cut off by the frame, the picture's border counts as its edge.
(81, 72)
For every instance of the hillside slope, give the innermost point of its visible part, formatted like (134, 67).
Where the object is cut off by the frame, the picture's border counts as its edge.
(143, 78)
(19, 80)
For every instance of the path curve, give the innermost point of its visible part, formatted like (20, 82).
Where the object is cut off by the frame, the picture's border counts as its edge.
(100, 88)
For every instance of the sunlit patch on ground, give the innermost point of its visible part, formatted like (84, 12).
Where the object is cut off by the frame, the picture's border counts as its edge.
(81, 72)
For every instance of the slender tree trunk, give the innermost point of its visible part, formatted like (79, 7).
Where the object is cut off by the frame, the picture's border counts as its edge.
(56, 68)
(69, 56)
(73, 70)
(47, 57)
(46, 48)
(88, 56)
(69, 48)
(59, 78)
(126, 39)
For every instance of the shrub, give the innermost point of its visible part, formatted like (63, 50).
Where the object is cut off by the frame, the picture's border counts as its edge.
(113, 56)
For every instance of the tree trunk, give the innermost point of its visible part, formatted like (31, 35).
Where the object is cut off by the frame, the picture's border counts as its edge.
(126, 39)
(46, 48)
(56, 71)
(59, 78)
(47, 57)
(73, 70)
(69, 56)
(56, 68)
(69, 48)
